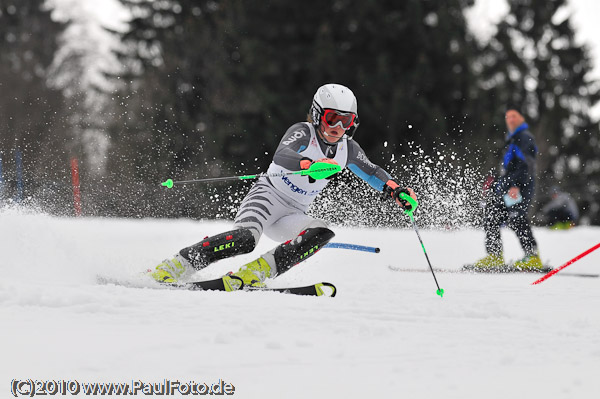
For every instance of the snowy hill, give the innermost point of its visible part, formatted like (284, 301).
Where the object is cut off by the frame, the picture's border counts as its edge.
(386, 334)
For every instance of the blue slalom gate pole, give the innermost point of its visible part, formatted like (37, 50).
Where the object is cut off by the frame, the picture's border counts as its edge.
(19, 166)
(1, 179)
(353, 247)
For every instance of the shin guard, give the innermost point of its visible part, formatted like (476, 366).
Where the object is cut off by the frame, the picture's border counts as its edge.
(306, 244)
(220, 246)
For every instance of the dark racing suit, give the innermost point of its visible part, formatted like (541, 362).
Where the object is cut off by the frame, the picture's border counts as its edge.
(518, 170)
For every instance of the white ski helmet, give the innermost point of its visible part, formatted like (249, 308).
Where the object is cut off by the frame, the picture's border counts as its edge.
(335, 97)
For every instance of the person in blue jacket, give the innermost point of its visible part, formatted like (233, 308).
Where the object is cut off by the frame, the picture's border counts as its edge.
(510, 195)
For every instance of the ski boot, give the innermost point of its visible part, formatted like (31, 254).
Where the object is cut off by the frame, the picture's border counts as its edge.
(491, 261)
(172, 270)
(529, 263)
(280, 259)
(251, 275)
(562, 225)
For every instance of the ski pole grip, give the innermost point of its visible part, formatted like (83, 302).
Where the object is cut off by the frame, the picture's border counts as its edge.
(413, 203)
(321, 170)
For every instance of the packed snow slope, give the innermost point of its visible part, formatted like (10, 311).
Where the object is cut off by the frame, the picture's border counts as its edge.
(386, 334)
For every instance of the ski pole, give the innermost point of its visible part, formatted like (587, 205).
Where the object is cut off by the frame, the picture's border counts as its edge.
(575, 259)
(317, 170)
(413, 203)
(352, 247)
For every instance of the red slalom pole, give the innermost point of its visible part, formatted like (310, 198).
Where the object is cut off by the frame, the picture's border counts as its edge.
(76, 189)
(575, 259)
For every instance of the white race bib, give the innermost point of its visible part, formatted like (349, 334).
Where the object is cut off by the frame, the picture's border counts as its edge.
(298, 187)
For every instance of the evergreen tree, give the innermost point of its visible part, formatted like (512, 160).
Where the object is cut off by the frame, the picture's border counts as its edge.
(85, 68)
(30, 112)
(534, 60)
(217, 85)
(222, 80)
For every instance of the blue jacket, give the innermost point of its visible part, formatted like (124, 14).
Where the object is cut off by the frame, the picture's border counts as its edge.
(518, 164)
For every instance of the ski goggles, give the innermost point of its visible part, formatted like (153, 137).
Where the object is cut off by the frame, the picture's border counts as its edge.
(335, 118)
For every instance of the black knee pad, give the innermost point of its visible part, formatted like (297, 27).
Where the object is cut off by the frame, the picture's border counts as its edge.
(220, 246)
(306, 244)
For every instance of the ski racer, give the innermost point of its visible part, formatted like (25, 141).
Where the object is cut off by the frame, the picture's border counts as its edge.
(277, 206)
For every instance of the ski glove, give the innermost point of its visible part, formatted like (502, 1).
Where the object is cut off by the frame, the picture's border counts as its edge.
(393, 188)
(306, 162)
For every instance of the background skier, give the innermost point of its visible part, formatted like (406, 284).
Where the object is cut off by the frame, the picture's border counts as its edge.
(561, 212)
(277, 206)
(508, 197)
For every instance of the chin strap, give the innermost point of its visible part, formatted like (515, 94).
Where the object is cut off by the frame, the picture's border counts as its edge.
(322, 133)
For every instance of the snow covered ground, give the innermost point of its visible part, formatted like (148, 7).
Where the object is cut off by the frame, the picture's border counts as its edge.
(386, 334)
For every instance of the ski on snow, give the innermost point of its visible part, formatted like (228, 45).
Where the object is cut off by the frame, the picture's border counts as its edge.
(318, 289)
(218, 284)
(496, 270)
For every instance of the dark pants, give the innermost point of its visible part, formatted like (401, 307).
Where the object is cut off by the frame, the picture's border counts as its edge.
(497, 214)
